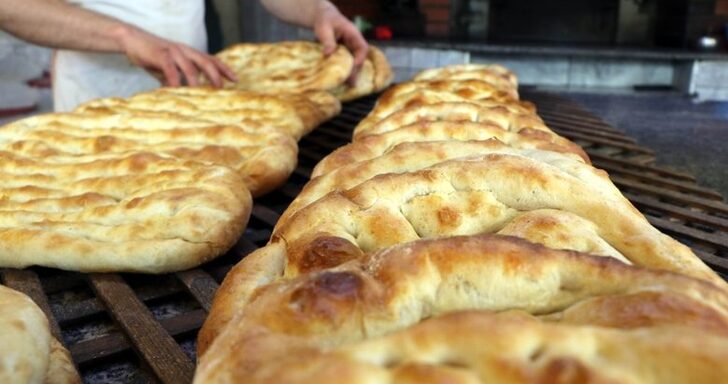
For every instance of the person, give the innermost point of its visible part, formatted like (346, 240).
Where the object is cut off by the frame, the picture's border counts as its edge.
(121, 47)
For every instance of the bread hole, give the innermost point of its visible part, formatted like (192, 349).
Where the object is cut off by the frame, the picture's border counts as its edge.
(537, 353)
(454, 362)
(390, 362)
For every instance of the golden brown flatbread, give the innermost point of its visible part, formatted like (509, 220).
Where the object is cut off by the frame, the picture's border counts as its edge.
(494, 74)
(367, 319)
(291, 66)
(359, 163)
(30, 354)
(263, 155)
(428, 131)
(418, 94)
(136, 212)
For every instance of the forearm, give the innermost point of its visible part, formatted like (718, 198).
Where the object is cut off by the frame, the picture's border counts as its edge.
(299, 12)
(57, 24)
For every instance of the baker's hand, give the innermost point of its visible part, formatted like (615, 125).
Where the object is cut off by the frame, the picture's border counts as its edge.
(330, 27)
(171, 62)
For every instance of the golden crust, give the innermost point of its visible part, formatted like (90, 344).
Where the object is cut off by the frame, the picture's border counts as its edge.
(291, 66)
(419, 94)
(224, 107)
(263, 155)
(427, 131)
(29, 353)
(357, 167)
(136, 212)
(479, 194)
(336, 311)
(494, 74)
(374, 76)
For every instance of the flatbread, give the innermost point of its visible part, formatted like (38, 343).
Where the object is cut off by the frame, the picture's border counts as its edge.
(374, 76)
(291, 66)
(367, 319)
(263, 155)
(494, 74)
(136, 212)
(417, 94)
(479, 194)
(30, 354)
(442, 130)
(359, 163)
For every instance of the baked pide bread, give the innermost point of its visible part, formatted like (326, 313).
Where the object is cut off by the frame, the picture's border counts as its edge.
(481, 194)
(367, 320)
(263, 155)
(458, 239)
(428, 131)
(136, 212)
(312, 107)
(29, 353)
(398, 99)
(374, 76)
(295, 114)
(507, 115)
(364, 163)
(494, 74)
(290, 66)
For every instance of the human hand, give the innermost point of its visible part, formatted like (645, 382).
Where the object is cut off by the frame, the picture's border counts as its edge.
(171, 62)
(330, 27)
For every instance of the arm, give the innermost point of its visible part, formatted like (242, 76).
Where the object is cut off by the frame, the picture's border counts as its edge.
(327, 22)
(57, 24)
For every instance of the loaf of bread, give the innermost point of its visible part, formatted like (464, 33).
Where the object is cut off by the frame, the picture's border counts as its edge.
(29, 353)
(297, 66)
(400, 98)
(295, 113)
(367, 320)
(459, 239)
(494, 74)
(137, 212)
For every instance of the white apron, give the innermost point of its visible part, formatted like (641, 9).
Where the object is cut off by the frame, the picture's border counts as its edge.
(82, 76)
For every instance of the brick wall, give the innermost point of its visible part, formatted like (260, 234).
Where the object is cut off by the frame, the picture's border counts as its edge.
(437, 17)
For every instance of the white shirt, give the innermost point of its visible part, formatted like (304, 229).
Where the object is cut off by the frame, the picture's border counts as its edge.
(82, 76)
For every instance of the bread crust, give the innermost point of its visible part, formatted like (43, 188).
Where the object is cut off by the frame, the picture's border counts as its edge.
(262, 154)
(291, 66)
(30, 354)
(334, 312)
(480, 194)
(373, 146)
(138, 212)
(396, 101)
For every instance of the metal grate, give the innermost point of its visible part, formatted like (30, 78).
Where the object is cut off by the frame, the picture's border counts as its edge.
(136, 328)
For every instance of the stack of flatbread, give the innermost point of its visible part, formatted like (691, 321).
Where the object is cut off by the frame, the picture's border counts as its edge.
(302, 66)
(30, 354)
(458, 239)
(157, 182)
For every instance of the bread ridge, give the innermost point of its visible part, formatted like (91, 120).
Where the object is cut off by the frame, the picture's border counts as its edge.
(398, 287)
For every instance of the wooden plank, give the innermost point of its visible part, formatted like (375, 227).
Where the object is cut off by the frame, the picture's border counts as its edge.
(602, 160)
(149, 338)
(689, 215)
(265, 214)
(680, 186)
(718, 239)
(27, 282)
(563, 129)
(677, 197)
(201, 285)
(88, 351)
